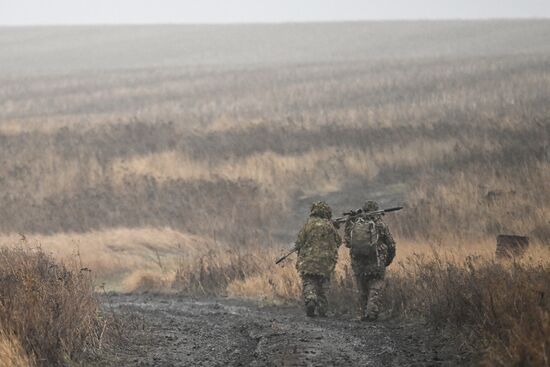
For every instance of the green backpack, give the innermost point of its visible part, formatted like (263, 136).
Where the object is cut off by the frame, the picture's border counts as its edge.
(364, 238)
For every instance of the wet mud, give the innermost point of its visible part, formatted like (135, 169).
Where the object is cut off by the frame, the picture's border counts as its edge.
(168, 330)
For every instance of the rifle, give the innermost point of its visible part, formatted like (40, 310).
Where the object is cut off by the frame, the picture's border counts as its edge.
(354, 213)
(279, 260)
(339, 220)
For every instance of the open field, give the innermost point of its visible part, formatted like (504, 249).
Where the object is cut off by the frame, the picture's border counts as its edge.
(185, 158)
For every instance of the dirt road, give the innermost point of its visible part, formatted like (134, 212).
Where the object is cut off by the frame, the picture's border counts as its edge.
(175, 331)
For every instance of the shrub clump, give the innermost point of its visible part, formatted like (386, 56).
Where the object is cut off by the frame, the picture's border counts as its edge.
(501, 308)
(49, 314)
(211, 273)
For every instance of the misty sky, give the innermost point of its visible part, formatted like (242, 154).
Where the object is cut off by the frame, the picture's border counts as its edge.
(17, 12)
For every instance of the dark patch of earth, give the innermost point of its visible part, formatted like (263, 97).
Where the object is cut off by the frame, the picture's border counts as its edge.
(169, 330)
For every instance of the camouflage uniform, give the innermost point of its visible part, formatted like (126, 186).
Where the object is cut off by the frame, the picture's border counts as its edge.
(369, 271)
(317, 244)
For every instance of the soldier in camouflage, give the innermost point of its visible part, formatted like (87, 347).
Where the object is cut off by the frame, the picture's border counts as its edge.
(317, 245)
(369, 271)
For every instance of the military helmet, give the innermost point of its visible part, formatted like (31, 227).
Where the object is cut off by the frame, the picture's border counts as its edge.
(370, 206)
(321, 209)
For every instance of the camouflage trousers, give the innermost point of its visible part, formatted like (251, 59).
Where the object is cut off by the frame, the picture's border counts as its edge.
(370, 284)
(314, 291)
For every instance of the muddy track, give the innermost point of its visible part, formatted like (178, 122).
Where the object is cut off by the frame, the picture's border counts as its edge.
(174, 331)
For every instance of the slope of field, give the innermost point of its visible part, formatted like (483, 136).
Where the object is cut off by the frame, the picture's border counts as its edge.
(250, 149)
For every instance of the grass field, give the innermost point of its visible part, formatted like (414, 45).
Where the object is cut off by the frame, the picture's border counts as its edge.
(186, 157)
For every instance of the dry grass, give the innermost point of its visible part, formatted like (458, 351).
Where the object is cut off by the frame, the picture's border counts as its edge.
(119, 255)
(465, 205)
(501, 308)
(454, 138)
(49, 313)
(211, 273)
(12, 353)
(318, 171)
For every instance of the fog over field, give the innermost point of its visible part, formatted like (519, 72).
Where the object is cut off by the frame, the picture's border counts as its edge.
(100, 49)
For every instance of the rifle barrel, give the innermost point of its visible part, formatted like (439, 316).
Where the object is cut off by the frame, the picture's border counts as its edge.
(360, 211)
(393, 209)
(279, 260)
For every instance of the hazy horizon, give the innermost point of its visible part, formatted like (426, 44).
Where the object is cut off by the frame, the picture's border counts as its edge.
(267, 23)
(105, 12)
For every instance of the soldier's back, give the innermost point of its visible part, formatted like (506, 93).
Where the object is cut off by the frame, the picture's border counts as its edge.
(319, 252)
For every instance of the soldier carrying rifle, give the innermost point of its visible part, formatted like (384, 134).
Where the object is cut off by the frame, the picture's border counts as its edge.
(317, 247)
(372, 249)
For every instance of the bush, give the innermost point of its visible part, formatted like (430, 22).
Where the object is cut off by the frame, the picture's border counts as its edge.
(48, 311)
(12, 353)
(501, 308)
(211, 273)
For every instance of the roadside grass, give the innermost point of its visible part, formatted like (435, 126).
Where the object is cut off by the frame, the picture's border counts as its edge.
(49, 314)
(119, 256)
(12, 353)
(501, 308)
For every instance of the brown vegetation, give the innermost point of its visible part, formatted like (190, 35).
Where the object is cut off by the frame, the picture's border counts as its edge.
(464, 143)
(48, 312)
(118, 256)
(12, 353)
(500, 308)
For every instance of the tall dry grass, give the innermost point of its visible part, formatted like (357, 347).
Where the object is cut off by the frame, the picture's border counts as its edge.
(437, 133)
(463, 206)
(120, 255)
(501, 308)
(49, 314)
(315, 172)
(12, 353)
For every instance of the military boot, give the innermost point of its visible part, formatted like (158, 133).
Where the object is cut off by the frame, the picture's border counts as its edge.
(322, 311)
(370, 317)
(310, 308)
(322, 306)
(372, 311)
(362, 312)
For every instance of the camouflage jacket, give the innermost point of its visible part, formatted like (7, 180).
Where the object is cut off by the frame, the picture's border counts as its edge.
(386, 243)
(317, 245)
